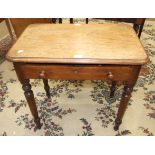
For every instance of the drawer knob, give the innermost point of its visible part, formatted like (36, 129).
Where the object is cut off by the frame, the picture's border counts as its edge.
(75, 72)
(110, 75)
(42, 74)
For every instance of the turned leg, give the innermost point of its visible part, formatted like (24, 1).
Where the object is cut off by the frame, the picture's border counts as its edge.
(46, 87)
(112, 89)
(31, 101)
(123, 105)
(129, 84)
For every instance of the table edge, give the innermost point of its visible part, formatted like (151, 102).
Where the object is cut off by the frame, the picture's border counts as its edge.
(79, 61)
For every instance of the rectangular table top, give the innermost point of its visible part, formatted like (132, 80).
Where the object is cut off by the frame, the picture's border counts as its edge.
(75, 43)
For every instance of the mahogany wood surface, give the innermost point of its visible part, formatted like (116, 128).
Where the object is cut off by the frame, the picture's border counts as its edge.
(78, 72)
(30, 100)
(138, 23)
(28, 66)
(27, 71)
(96, 44)
(20, 24)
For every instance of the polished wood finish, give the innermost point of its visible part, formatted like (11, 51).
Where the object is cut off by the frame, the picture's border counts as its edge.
(138, 23)
(129, 84)
(30, 100)
(108, 68)
(96, 44)
(19, 24)
(71, 72)
(80, 72)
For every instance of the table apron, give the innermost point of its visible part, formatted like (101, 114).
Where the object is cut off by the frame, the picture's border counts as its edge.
(76, 72)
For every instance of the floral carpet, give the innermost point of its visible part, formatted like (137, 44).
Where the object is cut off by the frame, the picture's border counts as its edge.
(80, 108)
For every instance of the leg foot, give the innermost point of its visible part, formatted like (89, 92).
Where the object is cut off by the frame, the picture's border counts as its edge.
(117, 124)
(38, 124)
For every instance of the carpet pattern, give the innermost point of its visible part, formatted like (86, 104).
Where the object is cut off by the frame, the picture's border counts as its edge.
(80, 108)
(5, 45)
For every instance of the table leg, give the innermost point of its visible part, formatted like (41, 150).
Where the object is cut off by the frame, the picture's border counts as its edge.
(31, 101)
(112, 89)
(46, 87)
(123, 105)
(129, 84)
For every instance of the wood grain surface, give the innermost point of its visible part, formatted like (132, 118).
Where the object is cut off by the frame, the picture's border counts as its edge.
(19, 24)
(75, 43)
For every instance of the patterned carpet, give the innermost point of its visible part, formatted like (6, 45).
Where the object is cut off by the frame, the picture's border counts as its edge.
(80, 107)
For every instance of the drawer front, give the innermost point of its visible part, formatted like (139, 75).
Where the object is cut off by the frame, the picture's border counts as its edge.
(75, 72)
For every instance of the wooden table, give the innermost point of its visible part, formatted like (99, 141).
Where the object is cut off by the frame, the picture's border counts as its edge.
(78, 52)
